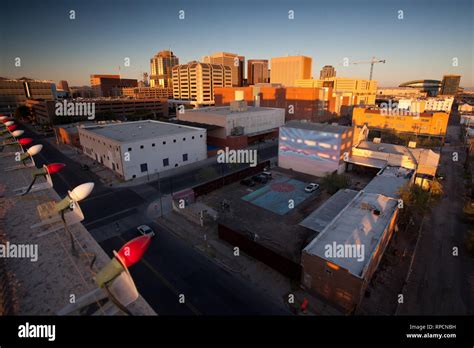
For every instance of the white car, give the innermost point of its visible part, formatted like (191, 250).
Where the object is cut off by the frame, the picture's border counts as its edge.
(146, 230)
(311, 187)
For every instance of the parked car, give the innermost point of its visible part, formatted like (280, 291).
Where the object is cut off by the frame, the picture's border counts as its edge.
(267, 174)
(260, 178)
(146, 230)
(247, 182)
(311, 187)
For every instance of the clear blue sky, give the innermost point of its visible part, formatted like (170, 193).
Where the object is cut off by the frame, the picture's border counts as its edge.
(422, 45)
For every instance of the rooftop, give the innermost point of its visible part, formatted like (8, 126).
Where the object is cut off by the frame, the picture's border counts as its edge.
(389, 181)
(226, 110)
(362, 222)
(128, 131)
(321, 217)
(320, 127)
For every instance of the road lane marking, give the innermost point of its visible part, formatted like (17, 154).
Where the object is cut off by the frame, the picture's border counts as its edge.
(167, 283)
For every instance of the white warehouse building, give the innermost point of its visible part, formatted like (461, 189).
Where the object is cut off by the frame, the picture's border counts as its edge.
(135, 149)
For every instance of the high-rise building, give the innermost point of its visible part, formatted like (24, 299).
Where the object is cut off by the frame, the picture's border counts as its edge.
(63, 85)
(286, 70)
(195, 81)
(346, 91)
(234, 61)
(450, 84)
(161, 65)
(257, 71)
(326, 72)
(14, 93)
(107, 85)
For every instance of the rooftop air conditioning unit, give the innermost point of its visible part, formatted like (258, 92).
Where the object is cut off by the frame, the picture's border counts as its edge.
(377, 140)
(412, 144)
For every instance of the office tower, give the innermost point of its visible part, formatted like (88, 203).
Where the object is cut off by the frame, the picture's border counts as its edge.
(234, 61)
(257, 71)
(108, 85)
(14, 93)
(63, 85)
(195, 81)
(326, 72)
(346, 91)
(161, 65)
(450, 84)
(286, 70)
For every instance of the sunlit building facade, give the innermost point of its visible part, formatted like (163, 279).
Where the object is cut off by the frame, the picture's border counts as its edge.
(286, 70)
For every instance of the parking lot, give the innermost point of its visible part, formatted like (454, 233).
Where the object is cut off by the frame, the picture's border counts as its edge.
(269, 213)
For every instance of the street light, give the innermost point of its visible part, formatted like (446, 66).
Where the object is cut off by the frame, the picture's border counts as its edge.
(44, 172)
(130, 253)
(9, 128)
(32, 151)
(15, 134)
(78, 194)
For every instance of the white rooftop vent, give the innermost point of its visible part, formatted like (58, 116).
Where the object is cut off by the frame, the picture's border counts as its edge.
(239, 95)
(377, 140)
(412, 144)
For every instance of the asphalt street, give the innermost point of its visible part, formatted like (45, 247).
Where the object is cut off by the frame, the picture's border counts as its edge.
(171, 267)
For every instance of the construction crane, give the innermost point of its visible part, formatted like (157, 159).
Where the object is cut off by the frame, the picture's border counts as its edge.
(371, 62)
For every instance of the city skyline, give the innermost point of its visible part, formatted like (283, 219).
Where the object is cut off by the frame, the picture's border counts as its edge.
(54, 47)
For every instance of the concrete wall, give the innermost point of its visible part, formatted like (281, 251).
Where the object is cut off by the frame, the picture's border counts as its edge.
(112, 154)
(335, 283)
(252, 121)
(313, 152)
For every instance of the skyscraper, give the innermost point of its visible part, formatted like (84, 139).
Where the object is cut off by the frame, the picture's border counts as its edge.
(161, 65)
(196, 81)
(234, 61)
(109, 85)
(326, 72)
(63, 85)
(286, 70)
(257, 71)
(450, 84)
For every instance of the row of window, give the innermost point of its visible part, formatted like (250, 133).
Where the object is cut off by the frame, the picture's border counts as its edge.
(164, 143)
(166, 163)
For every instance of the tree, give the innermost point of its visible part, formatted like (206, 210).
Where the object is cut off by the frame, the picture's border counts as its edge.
(22, 112)
(334, 182)
(416, 202)
(206, 174)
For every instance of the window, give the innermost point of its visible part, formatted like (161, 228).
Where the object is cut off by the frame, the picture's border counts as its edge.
(184, 139)
(129, 149)
(193, 137)
(176, 165)
(164, 142)
(185, 157)
(174, 140)
(144, 167)
(134, 176)
(153, 145)
(200, 136)
(166, 162)
(141, 146)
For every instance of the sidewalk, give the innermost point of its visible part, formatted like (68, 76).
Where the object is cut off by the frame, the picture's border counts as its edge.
(45, 286)
(266, 279)
(108, 177)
